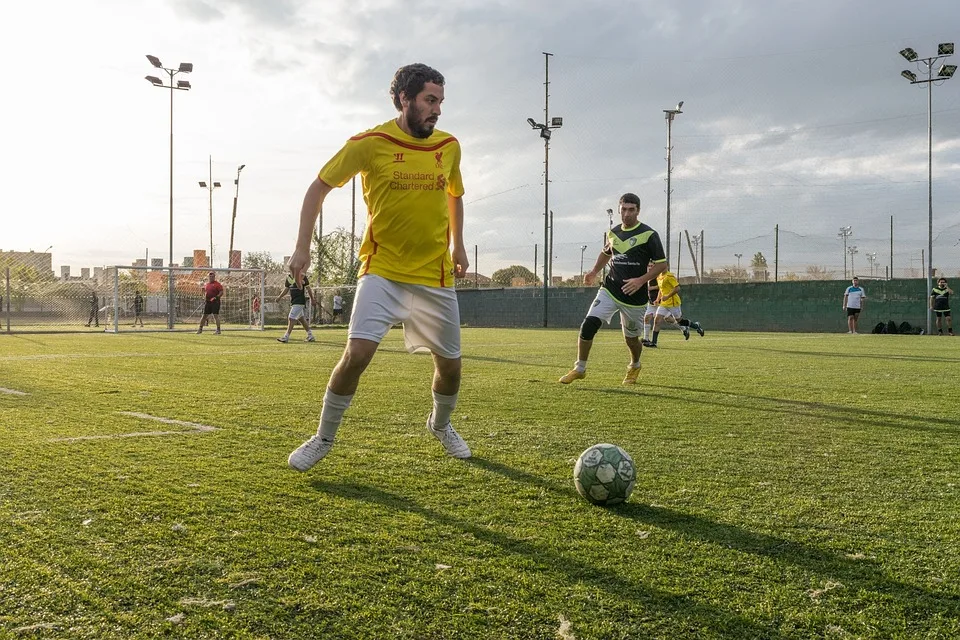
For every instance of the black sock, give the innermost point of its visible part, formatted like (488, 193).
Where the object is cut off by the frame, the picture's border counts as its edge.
(655, 334)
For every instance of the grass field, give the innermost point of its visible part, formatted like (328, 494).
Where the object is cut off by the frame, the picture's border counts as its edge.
(789, 486)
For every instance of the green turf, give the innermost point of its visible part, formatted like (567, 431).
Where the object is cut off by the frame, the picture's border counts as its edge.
(788, 486)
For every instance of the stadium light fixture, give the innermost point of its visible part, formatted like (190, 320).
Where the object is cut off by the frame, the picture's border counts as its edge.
(909, 54)
(669, 115)
(944, 49)
(185, 67)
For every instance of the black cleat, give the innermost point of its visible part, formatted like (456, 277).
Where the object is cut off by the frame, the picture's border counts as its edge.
(686, 333)
(696, 325)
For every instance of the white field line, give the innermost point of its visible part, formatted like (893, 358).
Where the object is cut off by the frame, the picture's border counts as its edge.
(140, 354)
(192, 427)
(13, 392)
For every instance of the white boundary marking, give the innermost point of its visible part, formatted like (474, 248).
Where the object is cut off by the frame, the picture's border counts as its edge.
(13, 392)
(193, 427)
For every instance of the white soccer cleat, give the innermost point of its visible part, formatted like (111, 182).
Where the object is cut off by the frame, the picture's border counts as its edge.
(309, 453)
(455, 445)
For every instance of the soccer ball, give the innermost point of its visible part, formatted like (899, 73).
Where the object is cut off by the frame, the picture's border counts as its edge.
(604, 474)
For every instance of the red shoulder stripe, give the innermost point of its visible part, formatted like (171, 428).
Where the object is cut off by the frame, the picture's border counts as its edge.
(401, 143)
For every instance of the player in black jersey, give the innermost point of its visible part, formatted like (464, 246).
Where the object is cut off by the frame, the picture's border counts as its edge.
(635, 256)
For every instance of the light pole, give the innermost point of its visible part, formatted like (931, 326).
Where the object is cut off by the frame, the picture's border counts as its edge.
(583, 248)
(210, 186)
(946, 71)
(871, 258)
(670, 114)
(545, 132)
(852, 251)
(181, 85)
(233, 218)
(845, 232)
(738, 255)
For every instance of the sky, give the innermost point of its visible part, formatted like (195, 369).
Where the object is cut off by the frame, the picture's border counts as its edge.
(795, 122)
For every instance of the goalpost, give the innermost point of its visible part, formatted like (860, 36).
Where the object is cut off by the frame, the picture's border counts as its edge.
(171, 299)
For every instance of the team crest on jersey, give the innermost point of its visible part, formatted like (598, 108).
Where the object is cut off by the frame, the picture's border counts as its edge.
(438, 156)
(633, 241)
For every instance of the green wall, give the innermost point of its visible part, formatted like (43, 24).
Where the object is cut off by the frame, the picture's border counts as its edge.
(803, 306)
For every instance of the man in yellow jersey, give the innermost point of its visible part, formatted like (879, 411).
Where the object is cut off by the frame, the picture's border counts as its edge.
(635, 254)
(413, 190)
(668, 309)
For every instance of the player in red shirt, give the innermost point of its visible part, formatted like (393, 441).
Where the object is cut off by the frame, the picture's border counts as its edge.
(212, 291)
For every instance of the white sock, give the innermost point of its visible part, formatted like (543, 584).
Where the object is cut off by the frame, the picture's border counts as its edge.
(580, 365)
(332, 414)
(647, 328)
(635, 365)
(442, 409)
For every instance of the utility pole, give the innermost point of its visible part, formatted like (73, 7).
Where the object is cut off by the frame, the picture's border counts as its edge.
(670, 114)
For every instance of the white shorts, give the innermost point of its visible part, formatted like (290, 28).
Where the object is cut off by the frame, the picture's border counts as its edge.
(430, 315)
(671, 312)
(297, 311)
(651, 309)
(605, 306)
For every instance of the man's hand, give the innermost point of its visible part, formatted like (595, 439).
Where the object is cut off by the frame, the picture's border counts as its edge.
(632, 285)
(589, 277)
(298, 265)
(460, 262)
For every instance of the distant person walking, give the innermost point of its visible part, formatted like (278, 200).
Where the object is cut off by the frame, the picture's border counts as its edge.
(94, 309)
(256, 310)
(853, 299)
(137, 309)
(940, 304)
(337, 307)
(212, 292)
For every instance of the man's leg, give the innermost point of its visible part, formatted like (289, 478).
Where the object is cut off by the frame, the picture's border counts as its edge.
(849, 323)
(853, 323)
(286, 336)
(336, 400)
(446, 388)
(588, 329)
(203, 321)
(216, 318)
(306, 327)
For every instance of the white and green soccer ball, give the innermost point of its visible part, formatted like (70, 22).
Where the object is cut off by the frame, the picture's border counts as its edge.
(604, 474)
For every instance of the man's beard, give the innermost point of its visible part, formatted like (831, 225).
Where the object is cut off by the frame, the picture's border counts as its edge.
(419, 127)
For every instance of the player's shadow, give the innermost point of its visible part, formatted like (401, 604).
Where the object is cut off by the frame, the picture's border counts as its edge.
(819, 410)
(856, 575)
(514, 474)
(567, 568)
(845, 355)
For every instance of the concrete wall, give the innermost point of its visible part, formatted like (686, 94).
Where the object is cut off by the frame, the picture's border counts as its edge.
(802, 306)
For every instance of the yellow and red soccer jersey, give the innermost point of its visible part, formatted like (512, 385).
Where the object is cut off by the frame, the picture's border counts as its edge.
(668, 282)
(406, 181)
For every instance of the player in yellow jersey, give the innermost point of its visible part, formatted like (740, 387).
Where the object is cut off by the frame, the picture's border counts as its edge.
(668, 309)
(413, 190)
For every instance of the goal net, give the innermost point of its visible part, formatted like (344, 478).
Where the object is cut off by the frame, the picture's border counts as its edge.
(165, 298)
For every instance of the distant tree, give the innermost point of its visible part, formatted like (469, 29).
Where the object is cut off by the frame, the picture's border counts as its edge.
(263, 260)
(759, 266)
(504, 277)
(816, 272)
(331, 258)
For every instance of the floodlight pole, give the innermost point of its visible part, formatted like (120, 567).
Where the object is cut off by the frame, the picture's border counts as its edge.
(233, 218)
(545, 132)
(845, 232)
(669, 115)
(185, 67)
(210, 186)
(946, 72)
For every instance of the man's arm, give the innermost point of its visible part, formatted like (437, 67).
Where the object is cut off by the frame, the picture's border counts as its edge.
(282, 293)
(460, 261)
(309, 210)
(669, 293)
(845, 294)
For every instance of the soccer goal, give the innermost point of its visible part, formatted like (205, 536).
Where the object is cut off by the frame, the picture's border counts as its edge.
(169, 299)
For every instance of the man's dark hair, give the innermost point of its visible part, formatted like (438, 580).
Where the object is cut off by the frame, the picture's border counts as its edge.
(630, 198)
(410, 79)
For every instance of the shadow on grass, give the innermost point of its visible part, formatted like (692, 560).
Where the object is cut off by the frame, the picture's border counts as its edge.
(855, 575)
(841, 413)
(566, 568)
(846, 355)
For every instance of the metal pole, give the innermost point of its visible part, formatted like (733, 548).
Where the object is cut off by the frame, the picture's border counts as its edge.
(7, 298)
(776, 253)
(546, 187)
(170, 260)
(233, 217)
(210, 190)
(476, 269)
(669, 171)
(929, 192)
(353, 219)
(891, 247)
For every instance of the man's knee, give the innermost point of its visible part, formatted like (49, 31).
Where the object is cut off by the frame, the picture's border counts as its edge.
(589, 327)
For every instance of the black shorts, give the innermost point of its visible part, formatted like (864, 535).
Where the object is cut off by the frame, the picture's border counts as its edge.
(852, 312)
(211, 307)
(942, 314)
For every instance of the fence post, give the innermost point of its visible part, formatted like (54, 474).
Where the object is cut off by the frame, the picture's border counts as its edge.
(6, 298)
